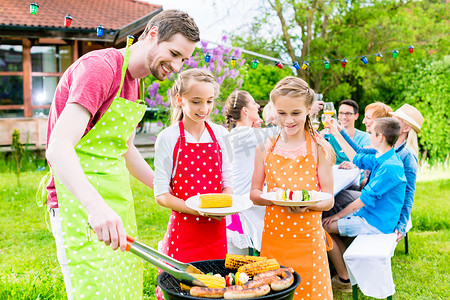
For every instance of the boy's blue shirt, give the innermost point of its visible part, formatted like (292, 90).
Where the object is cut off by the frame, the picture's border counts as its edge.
(410, 163)
(384, 195)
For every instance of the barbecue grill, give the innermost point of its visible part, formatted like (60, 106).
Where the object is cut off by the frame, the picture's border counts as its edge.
(172, 291)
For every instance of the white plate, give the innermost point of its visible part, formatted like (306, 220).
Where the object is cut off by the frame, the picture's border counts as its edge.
(240, 203)
(316, 198)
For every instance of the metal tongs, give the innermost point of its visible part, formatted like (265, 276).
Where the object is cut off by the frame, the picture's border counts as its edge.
(181, 270)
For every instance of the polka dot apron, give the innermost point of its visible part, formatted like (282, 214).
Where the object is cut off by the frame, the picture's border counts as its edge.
(297, 240)
(96, 271)
(197, 170)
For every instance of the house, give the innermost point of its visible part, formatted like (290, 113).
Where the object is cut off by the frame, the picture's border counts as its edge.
(36, 49)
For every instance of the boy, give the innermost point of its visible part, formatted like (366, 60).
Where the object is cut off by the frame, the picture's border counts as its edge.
(378, 209)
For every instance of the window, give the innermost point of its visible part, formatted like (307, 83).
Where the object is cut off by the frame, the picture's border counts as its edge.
(48, 62)
(11, 78)
(43, 89)
(51, 59)
(10, 57)
(11, 92)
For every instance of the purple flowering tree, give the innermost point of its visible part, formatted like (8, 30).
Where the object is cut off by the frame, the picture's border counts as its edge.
(230, 78)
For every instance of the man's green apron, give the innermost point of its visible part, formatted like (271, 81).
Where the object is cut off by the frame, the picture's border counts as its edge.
(96, 271)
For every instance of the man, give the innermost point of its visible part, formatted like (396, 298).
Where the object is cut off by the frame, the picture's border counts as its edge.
(91, 153)
(348, 114)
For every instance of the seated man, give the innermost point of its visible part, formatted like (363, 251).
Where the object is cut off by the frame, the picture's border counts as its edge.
(347, 114)
(379, 207)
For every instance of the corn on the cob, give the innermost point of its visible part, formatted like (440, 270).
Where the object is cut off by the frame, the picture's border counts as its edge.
(210, 281)
(234, 261)
(258, 267)
(185, 287)
(215, 200)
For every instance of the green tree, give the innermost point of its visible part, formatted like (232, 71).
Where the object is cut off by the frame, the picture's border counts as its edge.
(425, 86)
(260, 81)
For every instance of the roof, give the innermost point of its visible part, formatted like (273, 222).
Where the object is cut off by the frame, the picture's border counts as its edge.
(119, 17)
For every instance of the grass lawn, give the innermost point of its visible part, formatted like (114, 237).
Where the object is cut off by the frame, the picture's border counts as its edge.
(29, 270)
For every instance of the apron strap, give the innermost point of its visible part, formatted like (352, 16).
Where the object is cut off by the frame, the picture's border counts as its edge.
(124, 70)
(213, 137)
(176, 150)
(41, 194)
(328, 240)
(274, 142)
(308, 142)
(211, 132)
(142, 87)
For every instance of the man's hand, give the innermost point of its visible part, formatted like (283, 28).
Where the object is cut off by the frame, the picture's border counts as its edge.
(316, 107)
(107, 224)
(347, 165)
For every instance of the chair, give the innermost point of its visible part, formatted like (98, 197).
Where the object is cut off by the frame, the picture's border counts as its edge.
(408, 227)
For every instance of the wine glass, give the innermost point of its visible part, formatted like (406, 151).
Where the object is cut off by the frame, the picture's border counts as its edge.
(315, 122)
(325, 119)
(328, 109)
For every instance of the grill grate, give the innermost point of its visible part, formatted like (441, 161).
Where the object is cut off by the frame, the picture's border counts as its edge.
(171, 286)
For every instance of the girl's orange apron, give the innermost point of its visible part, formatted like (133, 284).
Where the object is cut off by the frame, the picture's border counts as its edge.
(297, 240)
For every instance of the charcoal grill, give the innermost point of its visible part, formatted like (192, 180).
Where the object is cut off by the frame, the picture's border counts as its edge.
(172, 291)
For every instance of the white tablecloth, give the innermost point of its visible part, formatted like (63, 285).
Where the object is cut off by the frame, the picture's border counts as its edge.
(368, 261)
(343, 178)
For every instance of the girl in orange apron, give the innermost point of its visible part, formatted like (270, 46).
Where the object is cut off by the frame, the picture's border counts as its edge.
(294, 235)
(196, 168)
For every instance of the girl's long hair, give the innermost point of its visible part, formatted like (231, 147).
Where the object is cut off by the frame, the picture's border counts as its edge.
(182, 85)
(233, 106)
(295, 87)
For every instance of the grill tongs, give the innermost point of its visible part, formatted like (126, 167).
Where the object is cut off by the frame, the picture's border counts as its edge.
(181, 270)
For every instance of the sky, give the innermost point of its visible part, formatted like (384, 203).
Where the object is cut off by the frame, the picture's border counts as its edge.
(213, 17)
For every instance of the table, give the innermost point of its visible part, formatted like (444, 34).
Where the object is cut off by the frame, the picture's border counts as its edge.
(344, 178)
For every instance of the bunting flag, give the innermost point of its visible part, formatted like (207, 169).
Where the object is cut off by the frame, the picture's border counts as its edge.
(304, 65)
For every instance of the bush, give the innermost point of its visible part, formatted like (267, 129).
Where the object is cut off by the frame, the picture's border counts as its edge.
(425, 86)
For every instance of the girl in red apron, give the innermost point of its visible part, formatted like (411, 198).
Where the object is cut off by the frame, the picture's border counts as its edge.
(293, 160)
(191, 159)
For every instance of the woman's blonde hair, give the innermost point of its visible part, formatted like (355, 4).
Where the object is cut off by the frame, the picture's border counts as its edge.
(233, 106)
(380, 110)
(295, 87)
(411, 141)
(182, 85)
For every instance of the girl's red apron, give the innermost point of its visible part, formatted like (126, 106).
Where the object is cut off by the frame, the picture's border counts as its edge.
(197, 169)
(297, 240)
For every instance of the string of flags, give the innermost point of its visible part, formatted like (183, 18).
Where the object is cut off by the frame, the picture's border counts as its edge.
(305, 64)
(326, 62)
(254, 64)
(67, 19)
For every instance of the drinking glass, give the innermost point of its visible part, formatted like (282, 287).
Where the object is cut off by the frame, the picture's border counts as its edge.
(328, 109)
(325, 119)
(315, 122)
